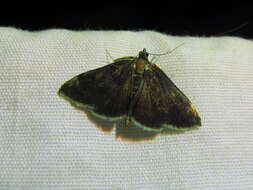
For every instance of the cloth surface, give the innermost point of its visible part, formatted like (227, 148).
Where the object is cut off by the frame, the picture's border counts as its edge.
(45, 143)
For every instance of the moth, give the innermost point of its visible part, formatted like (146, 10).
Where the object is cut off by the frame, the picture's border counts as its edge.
(134, 89)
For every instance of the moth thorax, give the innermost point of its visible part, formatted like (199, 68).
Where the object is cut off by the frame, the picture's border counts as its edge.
(140, 65)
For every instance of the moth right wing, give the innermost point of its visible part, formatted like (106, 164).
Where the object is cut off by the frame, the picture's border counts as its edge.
(161, 104)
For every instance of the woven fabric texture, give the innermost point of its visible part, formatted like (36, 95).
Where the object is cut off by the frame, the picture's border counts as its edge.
(45, 143)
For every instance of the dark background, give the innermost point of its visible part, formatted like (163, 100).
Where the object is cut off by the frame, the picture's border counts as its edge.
(177, 18)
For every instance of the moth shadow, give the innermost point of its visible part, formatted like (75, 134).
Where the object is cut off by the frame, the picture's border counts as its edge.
(124, 132)
(132, 133)
(102, 124)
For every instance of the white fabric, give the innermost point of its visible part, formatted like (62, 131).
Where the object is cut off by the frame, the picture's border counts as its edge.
(45, 143)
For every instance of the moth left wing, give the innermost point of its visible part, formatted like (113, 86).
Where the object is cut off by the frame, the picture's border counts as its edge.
(161, 105)
(105, 91)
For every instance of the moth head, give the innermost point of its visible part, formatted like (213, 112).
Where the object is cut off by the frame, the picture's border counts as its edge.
(141, 61)
(143, 55)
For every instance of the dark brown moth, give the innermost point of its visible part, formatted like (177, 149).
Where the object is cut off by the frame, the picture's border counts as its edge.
(134, 89)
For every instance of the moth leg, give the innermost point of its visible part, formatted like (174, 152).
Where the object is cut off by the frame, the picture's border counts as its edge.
(108, 55)
(127, 121)
(153, 59)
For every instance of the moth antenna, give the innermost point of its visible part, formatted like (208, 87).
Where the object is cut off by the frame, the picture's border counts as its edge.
(233, 29)
(153, 59)
(167, 51)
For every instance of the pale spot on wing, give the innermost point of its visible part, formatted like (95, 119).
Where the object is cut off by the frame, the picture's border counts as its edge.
(193, 109)
(99, 75)
(158, 66)
(172, 93)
